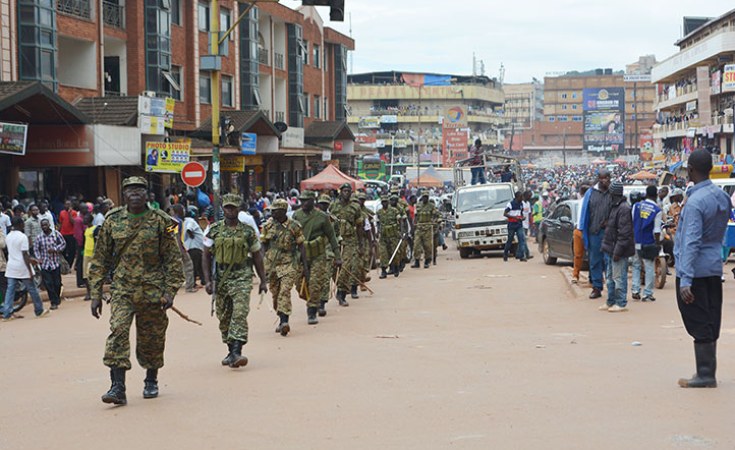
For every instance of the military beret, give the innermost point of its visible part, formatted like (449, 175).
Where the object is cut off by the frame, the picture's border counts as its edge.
(134, 181)
(231, 200)
(308, 195)
(346, 186)
(279, 203)
(324, 198)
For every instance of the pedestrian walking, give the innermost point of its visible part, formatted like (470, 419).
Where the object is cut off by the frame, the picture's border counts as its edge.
(514, 213)
(19, 270)
(285, 260)
(194, 244)
(596, 207)
(66, 224)
(318, 235)
(79, 227)
(190, 282)
(617, 246)
(137, 246)
(527, 220)
(235, 249)
(33, 226)
(697, 247)
(578, 240)
(48, 248)
(647, 227)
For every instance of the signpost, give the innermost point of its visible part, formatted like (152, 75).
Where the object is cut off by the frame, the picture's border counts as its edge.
(193, 174)
(248, 143)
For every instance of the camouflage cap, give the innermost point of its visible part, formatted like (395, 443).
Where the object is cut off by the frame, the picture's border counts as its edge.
(134, 181)
(384, 198)
(394, 196)
(423, 193)
(324, 198)
(345, 186)
(231, 200)
(308, 195)
(279, 203)
(361, 196)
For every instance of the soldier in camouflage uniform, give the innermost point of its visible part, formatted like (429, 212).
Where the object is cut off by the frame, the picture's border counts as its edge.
(349, 222)
(138, 246)
(235, 249)
(285, 259)
(323, 205)
(368, 237)
(318, 235)
(426, 222)
(389, 220)
(397, 202)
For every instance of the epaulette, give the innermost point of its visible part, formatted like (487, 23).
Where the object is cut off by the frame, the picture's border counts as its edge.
(165, 216)
(114, 211)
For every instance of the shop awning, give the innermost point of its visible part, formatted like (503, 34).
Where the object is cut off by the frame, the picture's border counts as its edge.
(111, 110)
(328, 131)
(33, 103)
(242, 122)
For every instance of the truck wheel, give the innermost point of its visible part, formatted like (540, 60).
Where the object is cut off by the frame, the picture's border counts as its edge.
(548, 259)
(464, 253)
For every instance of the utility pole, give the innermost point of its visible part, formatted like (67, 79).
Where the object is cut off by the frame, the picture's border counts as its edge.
(635, 99)
(564, 146)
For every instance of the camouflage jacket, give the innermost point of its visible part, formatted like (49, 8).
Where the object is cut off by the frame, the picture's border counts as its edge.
(390, 221)
(349, 217)
(221, 235)
(283, 242)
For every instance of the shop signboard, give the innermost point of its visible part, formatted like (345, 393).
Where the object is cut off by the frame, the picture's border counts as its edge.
(369, 122)
(455, 117)
(13, 138)
(454, 145)
(166, 157)
(604, 112)
(248, 143)
(728, 78)
(389, 119)
(232, 163)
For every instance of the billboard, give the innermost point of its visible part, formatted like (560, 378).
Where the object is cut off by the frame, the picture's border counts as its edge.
(13, 138)
(728, 78)
(455, 117)
(167, 157)
(369, 122)
(604, 119)
(454, 145)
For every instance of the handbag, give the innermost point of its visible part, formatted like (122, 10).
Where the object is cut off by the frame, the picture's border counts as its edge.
(649, 251)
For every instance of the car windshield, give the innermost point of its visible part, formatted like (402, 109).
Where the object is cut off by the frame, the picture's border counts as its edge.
(479, 199)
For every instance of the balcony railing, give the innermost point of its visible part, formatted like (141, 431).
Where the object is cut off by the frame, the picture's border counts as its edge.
(79, 8)
(280, 116)
(263, 56)
(278, 61)
(113, 15)
(109, 93)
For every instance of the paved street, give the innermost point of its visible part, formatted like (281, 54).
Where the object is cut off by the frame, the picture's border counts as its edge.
(469, 354)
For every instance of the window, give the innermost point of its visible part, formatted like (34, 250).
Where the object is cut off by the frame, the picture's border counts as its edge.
(574, 106)
(307, 101)
(564, 96)
(176, 12)
(563, 106)
(317, 106)
(205, 88)
(227, 91)
(174, 80)
(574, 95)
(301, 104)
(225, 21)
(203, 16)
(305, 51)
(316, 58)
(632, 106)
(37, 41)
(552, 119)
(577, 118)
(563, 118)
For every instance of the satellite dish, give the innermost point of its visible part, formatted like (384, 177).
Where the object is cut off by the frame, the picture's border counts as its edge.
(281, 127)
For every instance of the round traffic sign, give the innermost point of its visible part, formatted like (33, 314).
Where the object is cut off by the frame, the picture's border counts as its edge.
(193, 174)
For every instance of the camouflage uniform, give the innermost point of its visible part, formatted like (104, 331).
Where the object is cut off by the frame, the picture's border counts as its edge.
(402, 205)
(282, 260)
(318, 238)
(349, 216)
(324, 202)
(365, 251)
(148, 267)
(389, 218)
(233, 282)
(427, 218)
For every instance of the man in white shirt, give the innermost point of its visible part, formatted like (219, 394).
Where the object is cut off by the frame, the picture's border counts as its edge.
(247, 219)
(44, 213)
(4, 223)
(194, 244)
(19, 270)
(527, 218)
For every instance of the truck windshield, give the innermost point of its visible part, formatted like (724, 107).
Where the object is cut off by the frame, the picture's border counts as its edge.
(487, 197)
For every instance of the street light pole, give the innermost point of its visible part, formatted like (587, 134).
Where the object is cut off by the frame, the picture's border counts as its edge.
(564, 146)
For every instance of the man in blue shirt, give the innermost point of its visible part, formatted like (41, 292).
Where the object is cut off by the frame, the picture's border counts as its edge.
(647, 232)
(697, 247)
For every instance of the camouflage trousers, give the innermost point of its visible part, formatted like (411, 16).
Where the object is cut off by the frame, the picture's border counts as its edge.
(280, 287)
(232, 305)
(365, 255)
(332, 271)
(320, 270)
(387, 247)
(350, 264)
(143, 304)
(423, 242)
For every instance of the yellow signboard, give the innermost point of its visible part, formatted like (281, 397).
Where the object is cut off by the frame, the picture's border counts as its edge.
(253, 160)
(232, 163)
(168, 157)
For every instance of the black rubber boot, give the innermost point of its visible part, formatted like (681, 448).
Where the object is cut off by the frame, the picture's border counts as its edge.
(396, 271)
(116, 394)
(151, 384)
(706, 359)
(416, 264)
(342, 298)
(322, 309)
(238, 359)
(353, 291)
(311, 314)
(383, 273)
(427, 263)
(228, 358)
(283, 326)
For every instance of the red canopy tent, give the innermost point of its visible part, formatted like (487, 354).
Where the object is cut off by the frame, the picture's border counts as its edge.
(330, 178)
(643, 175)
(426, 181)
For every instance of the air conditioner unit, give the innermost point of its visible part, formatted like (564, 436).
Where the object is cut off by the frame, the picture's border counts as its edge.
(151, 94)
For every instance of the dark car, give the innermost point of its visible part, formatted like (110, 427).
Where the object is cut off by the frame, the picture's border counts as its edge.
(556, 233)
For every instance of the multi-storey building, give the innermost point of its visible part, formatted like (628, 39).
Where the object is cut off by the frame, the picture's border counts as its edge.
(280, 61)
(524, 104)
(695, 89)
(403, 122)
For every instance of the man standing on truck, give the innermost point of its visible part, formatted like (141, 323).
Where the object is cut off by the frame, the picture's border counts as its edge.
(478, 167)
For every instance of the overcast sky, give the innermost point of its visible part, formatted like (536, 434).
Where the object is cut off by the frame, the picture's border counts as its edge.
(529, 37)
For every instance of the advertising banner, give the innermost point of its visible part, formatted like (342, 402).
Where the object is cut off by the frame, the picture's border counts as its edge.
(232, 163)
(604, 115)
(728, 78)
(454, 145)
(13, 138)
(455, 117)
(365, 139)
(369, 122)
(389, 119)
(166, 157)
(715, 82)
(155, 114)
(248, 143)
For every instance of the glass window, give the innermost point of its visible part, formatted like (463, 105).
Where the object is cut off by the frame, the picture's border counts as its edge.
(563, 95)
(203, 16)
(227, 91)
(175, 12)
(225, 20)
(305, 52)
(317, 106)
(574, 95)
(205, 88)
(307, 100)
(316, 58)
(552, 119)
(574, 106)
(175, 74)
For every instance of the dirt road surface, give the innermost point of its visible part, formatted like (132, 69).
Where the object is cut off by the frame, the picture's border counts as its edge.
(470, 354)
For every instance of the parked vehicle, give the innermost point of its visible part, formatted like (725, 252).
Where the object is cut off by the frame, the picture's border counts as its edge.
(479, 223)
(556, 232)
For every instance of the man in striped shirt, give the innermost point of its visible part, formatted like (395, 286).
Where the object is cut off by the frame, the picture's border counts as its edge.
(48, 247)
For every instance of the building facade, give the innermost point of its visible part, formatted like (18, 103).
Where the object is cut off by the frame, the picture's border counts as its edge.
(524, 104)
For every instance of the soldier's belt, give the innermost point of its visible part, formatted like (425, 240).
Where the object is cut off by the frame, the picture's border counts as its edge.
(231, 267)
(315, 247)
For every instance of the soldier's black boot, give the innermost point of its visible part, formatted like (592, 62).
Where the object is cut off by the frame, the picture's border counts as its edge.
(151, 384)
(427, 263)
(238, 359)
(353, 291)
(228, 358)
(322, 309)
(116, 394)
(396, 270)
(383, 273)
(342, 298)
(706, 358)
(416, 264)
(283, 326)
(311, 314)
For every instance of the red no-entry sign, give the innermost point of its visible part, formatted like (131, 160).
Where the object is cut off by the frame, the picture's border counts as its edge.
(193, 174)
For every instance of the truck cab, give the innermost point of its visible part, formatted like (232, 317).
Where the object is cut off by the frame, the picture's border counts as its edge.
(479, 223)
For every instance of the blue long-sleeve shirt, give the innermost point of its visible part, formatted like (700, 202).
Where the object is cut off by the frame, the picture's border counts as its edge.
(702, 225)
